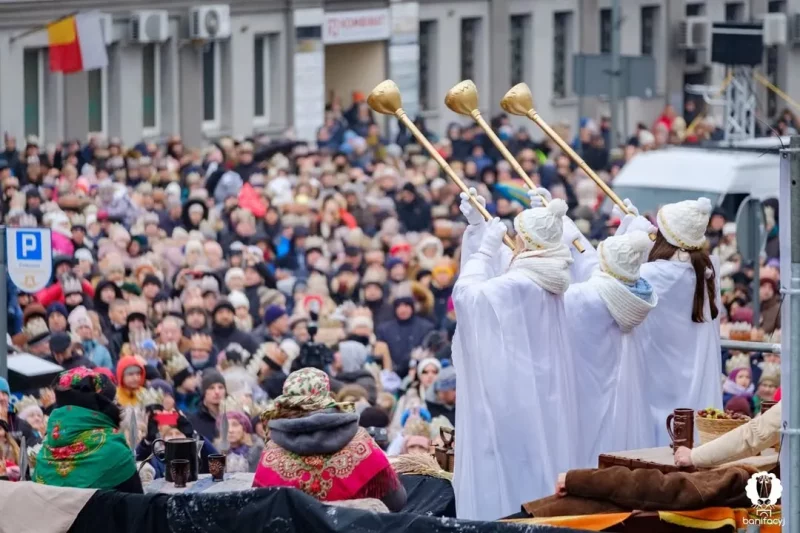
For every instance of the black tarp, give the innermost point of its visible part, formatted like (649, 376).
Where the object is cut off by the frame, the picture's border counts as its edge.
(259, 511)
(429, 496)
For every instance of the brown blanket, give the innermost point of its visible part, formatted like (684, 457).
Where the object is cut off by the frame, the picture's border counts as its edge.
(618, 488)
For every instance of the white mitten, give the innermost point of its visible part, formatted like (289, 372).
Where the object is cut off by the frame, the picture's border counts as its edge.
(473, 215)
(493, 237)
(571, 231)
(535, 196)
(617, 212)
(633, 223)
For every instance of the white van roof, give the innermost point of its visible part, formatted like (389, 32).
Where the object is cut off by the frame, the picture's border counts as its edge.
(696, 169)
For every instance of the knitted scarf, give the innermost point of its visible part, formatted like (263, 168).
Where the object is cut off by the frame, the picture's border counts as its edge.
(548, 268)
(628, 305)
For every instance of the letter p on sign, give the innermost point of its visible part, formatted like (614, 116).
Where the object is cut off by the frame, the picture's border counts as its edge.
(29, 246)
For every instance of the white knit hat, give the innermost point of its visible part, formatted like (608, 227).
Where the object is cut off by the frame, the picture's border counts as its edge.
(684, 224)
(622, 255)
(238, 299)
(541, 227)
(234, 272)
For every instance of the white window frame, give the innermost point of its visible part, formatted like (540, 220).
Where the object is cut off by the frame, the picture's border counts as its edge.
(155, 130)
(103, 104)
(268, 41)
(40, 58)
(215, 125)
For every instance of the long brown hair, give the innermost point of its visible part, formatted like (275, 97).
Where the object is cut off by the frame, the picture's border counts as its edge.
(701, 262)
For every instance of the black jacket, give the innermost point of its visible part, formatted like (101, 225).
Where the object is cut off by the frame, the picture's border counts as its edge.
(204, 423)
(402, 337)
(223, 336)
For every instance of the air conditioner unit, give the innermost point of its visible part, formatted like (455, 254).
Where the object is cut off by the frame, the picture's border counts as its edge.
(150, 26)
(775, 29)
(794, 29)
(210, 22)
(694, 33)
(107, 25)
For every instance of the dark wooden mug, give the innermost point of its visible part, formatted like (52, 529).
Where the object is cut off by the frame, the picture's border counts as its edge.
(680, 426)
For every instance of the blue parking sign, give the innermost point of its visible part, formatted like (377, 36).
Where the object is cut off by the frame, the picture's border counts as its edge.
(30, 258)
(29, 245)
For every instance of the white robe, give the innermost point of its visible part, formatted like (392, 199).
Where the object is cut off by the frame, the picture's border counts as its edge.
(683, 364)
(515, 398)
(609, 371)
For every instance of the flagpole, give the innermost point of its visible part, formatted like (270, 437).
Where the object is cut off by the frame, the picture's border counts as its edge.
(39, 28)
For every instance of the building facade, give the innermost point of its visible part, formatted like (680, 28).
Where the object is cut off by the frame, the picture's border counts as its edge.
(261, 66)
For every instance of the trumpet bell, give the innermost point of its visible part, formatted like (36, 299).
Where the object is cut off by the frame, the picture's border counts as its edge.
(518, 100)
(462, 98)
(385, 98)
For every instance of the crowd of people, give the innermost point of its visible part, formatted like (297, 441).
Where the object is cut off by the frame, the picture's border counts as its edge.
(259, 293)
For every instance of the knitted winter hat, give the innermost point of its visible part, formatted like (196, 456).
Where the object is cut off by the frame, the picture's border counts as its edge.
(353, 356)
(238, 299)
(541, 227)
(621, 256)
(79, 317)
(684, 224)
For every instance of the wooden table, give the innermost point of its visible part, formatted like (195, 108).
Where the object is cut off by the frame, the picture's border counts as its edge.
(662, 459)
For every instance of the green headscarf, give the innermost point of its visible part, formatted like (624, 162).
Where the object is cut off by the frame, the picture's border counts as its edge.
(83, 449)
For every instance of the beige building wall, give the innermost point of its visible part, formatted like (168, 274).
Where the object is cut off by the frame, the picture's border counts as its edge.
(354, 67)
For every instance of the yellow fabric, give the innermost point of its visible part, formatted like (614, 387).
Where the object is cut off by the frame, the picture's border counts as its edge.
(62, 32)
(595, 522)
(710, 518)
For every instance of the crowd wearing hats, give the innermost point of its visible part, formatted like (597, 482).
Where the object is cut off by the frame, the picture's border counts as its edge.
(194, 280)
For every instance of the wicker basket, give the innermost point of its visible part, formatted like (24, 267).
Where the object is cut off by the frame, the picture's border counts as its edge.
(709, 429)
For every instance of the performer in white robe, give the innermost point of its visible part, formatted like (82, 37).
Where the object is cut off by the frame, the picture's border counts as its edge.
(512, 357)
(603, 313)
(682, 350)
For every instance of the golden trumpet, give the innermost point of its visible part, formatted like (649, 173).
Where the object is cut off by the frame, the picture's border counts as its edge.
(463, 99)
(386, 100)
(519, 101)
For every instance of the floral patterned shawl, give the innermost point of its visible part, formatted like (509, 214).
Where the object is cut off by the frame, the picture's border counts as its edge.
(83, 449)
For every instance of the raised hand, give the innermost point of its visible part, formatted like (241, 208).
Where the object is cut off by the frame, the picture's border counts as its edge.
(635, 223)
(473, 215)
(535, 196)
(493, 237)
(618, 213)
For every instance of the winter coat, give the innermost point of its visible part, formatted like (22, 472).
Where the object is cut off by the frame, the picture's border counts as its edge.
(402, 337)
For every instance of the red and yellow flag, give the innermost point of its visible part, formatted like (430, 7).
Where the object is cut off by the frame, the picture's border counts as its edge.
(77, 44)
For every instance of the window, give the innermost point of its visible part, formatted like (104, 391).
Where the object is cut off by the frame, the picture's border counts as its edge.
(151, 89)
(265, 48)
(520, 29)
(33, 79)
(561, 53)
(98, 100)
(649, 29)
(212, 89)
(605, 31)
(776, 6)
(734, 12)
(427, 60)
(469, 47)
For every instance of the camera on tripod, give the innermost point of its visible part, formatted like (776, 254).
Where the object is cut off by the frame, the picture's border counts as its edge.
(313, 354)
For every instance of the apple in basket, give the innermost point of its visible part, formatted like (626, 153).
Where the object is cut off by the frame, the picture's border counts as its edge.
(718, 414)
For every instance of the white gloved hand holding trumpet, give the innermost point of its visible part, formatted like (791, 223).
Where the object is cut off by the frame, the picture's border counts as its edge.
(473, 216)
